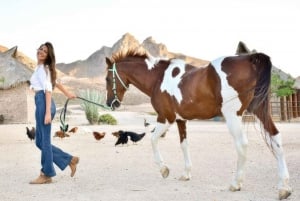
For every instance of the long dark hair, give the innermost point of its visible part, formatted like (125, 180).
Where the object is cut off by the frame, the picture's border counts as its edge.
(50, 62)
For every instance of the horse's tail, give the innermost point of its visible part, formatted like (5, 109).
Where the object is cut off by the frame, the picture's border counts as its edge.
(260, 103)
(263, 73)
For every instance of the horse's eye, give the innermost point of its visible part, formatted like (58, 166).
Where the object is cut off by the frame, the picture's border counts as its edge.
(107, 79)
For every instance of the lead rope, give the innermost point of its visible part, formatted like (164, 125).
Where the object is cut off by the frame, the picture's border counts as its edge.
(64, 127)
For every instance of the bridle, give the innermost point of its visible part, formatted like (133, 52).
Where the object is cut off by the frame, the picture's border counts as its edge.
(114, 87)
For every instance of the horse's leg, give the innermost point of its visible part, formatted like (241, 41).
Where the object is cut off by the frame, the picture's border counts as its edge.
(234, 124)
(283, 185)
(275, 142)
(159, 130)
(181, 124)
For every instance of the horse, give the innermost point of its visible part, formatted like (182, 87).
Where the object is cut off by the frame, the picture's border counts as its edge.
(227, 86)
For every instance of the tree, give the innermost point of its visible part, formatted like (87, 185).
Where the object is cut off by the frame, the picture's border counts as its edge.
(282, 87)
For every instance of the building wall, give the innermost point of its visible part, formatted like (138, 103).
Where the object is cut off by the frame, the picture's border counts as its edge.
(17, 105)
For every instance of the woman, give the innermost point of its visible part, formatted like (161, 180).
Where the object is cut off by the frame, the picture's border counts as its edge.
(43, 81)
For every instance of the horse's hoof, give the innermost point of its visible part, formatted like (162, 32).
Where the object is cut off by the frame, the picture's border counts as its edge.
(283, 194)
(233, 188)
(184, 178)
(164, 172)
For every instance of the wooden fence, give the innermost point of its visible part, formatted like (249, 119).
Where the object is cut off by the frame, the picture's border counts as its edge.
(285, 109)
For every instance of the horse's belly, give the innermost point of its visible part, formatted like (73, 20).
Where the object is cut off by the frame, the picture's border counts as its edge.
(200, 112)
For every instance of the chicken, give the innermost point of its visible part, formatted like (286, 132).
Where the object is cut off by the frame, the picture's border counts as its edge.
(73, 130)
(61, 134)
(30, 133)
(146, 123)
(122, 137)
(98, 136)
(135, 137)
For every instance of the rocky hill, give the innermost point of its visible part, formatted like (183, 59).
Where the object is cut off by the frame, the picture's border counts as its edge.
(94, 66)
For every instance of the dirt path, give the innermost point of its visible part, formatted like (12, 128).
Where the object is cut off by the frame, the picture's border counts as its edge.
(110, 173)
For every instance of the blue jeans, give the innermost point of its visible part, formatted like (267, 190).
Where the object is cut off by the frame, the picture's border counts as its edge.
(50, 153)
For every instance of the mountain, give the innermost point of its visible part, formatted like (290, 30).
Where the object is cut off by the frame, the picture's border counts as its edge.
(94, 65)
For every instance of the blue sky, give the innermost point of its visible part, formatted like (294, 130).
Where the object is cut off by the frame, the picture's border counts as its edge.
(202, 29)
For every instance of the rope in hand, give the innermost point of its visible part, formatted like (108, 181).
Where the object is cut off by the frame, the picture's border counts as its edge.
(64, 127)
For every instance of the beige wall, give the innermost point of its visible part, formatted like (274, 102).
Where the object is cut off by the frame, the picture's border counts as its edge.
(17, 105)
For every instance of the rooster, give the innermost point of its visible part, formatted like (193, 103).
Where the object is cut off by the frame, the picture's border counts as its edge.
(98, 136)
(135, 137)
(122, 137)
(30, 133)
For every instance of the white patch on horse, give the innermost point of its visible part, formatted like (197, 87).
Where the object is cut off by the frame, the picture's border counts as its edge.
(229, 94)
(152, 61)
(170, 83)
(179, 117)
(230, 105)
(187, 160)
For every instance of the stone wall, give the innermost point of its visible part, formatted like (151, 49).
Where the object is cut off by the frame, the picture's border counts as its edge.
(17, 105)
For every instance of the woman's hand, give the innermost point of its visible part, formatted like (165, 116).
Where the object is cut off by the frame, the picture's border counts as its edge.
(67, 93)
(70, 95)
(47, 118)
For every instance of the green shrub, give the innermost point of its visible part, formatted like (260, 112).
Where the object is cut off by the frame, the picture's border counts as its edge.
(91, 110)
(107, 119)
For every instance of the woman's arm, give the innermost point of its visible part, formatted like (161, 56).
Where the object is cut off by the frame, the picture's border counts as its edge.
(47, 119)
(65, 92)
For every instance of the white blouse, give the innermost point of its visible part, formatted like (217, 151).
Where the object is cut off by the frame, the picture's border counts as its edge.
(41, 79)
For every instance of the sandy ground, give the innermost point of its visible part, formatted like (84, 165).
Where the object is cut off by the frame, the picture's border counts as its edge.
(110, 173)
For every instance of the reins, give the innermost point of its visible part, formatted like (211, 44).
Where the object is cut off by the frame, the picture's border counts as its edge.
(114, 88)
(64, 127)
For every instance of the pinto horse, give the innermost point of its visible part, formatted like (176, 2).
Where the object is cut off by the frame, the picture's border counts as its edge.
(179, 92)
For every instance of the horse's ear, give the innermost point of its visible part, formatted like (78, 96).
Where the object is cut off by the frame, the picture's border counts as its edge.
(242, 49)
(108, 61)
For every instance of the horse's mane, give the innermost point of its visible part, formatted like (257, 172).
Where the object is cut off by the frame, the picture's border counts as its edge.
(121, 55)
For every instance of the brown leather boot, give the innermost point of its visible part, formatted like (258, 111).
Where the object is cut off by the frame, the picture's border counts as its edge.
(73, 165)
(42, 179)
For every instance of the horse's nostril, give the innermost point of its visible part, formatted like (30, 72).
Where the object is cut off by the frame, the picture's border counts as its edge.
(116, 104)
(108, 103)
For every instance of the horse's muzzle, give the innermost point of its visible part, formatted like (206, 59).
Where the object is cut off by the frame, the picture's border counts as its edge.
(113, 105)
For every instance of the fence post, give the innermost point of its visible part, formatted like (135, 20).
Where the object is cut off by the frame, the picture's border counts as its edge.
(282, 108)
(298, 102)
(289, 107)
(294, 105)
